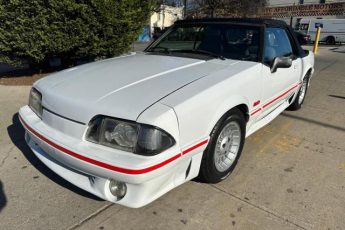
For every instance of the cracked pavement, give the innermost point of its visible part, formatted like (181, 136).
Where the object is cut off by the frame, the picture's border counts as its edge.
(291, 175)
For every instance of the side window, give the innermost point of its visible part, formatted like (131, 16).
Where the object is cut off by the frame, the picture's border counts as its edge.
(277, 44)
(304, 26)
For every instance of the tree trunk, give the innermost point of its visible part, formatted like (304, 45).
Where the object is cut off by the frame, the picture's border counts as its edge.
(212, 12)
(185, 8)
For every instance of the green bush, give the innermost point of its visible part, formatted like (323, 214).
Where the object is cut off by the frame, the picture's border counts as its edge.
(36, 30)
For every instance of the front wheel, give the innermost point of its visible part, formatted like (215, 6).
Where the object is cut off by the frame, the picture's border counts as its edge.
(224, 149)
(297, 103)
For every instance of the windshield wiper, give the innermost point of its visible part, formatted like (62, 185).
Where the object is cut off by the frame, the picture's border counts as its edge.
(162, 49)
(167, 50)
(209, 53)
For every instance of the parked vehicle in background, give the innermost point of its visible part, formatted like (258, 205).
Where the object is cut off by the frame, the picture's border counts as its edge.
(332, 30)
(302, 38)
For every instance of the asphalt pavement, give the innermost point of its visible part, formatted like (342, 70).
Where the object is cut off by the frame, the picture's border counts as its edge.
(291, 175)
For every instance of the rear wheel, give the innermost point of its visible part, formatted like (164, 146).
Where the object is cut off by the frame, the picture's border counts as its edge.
(297, 103)
(330, 40)
(224, 148)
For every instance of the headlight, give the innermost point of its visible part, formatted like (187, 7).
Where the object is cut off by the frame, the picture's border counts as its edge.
(35, 101)
(128, 136)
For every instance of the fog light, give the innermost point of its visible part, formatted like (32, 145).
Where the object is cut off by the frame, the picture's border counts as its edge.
(117, 189)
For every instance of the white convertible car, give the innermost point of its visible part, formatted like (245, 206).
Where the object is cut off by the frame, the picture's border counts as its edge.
(131, 128)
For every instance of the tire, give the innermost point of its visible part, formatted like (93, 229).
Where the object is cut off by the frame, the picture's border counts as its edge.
(330, 40)
(302, 92)
(220, 144)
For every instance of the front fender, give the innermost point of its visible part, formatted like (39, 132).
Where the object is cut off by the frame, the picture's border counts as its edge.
(226, 106)
(199, 115)
(200, 105)
(163, 117)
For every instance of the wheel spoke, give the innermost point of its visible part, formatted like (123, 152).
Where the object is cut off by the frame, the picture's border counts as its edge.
(227, 146)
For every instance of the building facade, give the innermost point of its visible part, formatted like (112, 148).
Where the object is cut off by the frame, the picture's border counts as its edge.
(292, 11)
(299, 2)
(162, 18)
(166, 16)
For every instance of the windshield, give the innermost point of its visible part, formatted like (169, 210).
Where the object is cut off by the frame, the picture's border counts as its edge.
(217, 41)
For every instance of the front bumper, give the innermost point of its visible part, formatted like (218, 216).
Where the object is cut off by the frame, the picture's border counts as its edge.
(90, 167)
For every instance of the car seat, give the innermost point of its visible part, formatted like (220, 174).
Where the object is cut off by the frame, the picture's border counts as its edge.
(269, 51)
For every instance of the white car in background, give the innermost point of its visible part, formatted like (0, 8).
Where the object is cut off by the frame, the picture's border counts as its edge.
(332, 30)
(131, 128)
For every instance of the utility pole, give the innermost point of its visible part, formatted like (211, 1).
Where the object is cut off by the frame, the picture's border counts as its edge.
(185, 8)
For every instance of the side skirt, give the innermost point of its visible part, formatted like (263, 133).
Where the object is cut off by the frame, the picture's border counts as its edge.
(268, 118)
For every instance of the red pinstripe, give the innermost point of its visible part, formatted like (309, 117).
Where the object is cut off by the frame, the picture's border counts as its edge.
(256, 111)
(108, 166)
(275, 99)
(280, 96)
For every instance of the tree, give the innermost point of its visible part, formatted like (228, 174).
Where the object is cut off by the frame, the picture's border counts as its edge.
(230, 7)
(248, 8)
(35, 30)
(173, 3)
(211, 5)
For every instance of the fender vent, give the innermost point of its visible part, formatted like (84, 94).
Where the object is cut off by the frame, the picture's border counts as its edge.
(188, 169)
(290, 99)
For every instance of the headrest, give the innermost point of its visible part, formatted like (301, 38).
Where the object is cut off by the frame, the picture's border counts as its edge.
(270, 38)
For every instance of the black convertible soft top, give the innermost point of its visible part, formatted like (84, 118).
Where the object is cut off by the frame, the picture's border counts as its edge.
(254, 21)
(248, 21)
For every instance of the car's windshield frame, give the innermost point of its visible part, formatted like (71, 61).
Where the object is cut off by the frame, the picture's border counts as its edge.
(250, 26)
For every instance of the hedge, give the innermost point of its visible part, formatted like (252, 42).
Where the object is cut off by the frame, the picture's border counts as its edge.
(36, 30)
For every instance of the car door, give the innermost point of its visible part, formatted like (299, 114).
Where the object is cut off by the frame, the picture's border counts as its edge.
(278, 86)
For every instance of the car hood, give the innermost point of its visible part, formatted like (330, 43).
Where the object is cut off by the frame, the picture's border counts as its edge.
(121, 87)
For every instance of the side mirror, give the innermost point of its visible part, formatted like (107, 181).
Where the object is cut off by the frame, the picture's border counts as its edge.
(281, 62)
